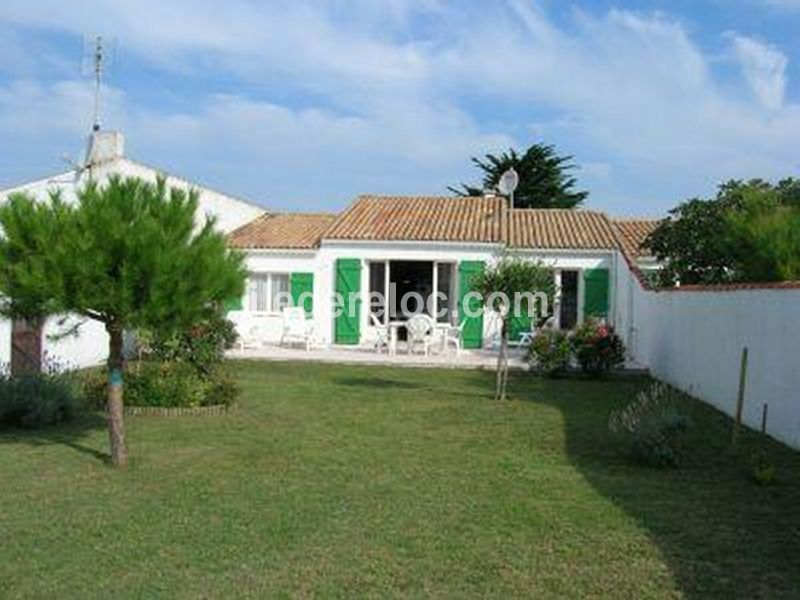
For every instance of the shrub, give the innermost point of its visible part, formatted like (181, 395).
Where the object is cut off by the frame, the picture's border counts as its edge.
(202, 346)
(38, 399)
(597, 348)
(184, 368)
(763, 470)
(550, 352)
(164, 384)
(653, 426)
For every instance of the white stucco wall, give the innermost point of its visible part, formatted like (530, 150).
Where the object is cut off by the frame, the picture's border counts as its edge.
(87, 346)
(694, 339)
(230, 212)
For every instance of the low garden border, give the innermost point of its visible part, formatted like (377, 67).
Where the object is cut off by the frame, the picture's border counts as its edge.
(176, 411)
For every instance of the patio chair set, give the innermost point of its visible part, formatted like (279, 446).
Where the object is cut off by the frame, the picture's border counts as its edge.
(423, 334)
(296, 329)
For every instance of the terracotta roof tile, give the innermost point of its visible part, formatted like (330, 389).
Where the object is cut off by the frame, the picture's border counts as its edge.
(417, 218)
(283, 230)
(559, 228)
(632, 233)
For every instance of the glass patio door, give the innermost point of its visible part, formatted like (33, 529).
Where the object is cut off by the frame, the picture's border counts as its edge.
(444, 289)
(568, 300)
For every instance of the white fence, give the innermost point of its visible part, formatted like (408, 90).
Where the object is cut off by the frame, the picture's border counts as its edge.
(693, 339)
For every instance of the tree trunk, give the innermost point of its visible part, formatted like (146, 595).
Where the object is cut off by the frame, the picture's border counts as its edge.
(502, 363)
(116, 426)
(504, 354)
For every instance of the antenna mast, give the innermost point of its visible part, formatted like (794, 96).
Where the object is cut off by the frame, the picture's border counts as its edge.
(99, 57)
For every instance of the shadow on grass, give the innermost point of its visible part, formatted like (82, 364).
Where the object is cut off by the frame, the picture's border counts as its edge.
(65, 434)
(720, 533)
(378, 382)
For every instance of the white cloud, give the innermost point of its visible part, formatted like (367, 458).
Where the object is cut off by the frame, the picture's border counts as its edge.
(389, 105)
(764, 67)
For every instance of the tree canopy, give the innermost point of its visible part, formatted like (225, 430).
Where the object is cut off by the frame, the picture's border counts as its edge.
(129, 254)
(545, 179)
(749, 232)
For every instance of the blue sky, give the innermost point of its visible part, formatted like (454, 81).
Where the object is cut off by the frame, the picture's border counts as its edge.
(303, 105)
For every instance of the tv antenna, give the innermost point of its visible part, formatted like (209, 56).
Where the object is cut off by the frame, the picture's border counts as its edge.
(98, 55)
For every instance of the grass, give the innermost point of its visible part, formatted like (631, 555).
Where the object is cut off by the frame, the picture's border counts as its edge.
(341, 480)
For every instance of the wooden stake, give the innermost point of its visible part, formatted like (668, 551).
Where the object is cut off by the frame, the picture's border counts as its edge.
(737, 424)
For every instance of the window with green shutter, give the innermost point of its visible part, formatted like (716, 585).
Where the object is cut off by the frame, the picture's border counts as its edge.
(595, 293)
(472, 335)
(348, 285)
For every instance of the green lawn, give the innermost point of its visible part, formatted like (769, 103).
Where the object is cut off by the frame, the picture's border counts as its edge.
(341, 480)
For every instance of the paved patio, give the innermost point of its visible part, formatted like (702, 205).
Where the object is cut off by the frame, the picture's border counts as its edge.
(466, 359)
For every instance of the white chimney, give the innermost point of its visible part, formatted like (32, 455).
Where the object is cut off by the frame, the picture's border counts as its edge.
(105, 146)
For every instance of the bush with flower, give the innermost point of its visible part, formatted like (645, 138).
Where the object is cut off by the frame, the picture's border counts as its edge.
(597, 347)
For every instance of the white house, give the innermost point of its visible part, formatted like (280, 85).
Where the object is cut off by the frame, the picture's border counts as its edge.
(105, 157)
(392, 245)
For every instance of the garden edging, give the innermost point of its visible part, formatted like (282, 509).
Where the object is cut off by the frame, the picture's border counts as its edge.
(176, 411)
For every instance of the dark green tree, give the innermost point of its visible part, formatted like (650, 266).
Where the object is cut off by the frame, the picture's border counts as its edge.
(545, 179)
(510, 286)
(748, 232)
(128, 254)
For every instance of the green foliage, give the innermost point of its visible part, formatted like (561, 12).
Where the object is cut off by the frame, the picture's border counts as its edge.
(164, 384)
(749, 232)
(527, 283)
(550, 352)
(127, 253)
(653, 426)
(201, 346)
(38, 399)
(597, 348)
(544, 178)
(764, 237)
(690, 244)
(763, 471)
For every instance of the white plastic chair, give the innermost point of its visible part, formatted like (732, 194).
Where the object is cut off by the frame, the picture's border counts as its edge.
(297, 328)
(250, 338)
(454, 336)
(526, 339)
(420, 333)
(381, 333)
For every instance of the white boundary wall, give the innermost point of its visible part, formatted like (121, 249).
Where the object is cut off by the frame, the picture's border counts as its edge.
(693, 340)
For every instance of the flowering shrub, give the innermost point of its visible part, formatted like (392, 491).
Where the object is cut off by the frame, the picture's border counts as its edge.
(597, 348)
(653, 426)
(550, 352)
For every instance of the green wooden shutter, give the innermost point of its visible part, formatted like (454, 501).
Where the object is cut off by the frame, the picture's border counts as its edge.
(348, 281)
(473, 327)
(595, 293)
(232, 304)
(518, 324)
(302, 284)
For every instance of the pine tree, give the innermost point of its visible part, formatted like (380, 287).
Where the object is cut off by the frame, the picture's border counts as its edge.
(128, 254)
(544, 178)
